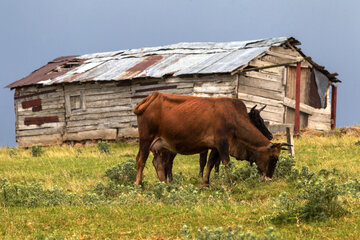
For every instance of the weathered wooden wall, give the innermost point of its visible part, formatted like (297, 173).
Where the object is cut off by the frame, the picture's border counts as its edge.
(40, 115)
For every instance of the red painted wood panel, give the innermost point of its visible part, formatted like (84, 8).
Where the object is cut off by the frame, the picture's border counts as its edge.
(40, 120)
(31, 103)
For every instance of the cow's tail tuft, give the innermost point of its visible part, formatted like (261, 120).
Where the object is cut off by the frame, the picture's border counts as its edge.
(142, 106)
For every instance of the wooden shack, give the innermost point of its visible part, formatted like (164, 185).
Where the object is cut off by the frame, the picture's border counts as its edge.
(87, 97)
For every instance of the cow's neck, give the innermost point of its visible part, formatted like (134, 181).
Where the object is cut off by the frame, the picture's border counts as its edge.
(244, 149)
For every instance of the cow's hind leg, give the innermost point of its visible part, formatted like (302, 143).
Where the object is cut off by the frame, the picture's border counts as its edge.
(214, 156)
(223, 148)
(144, 148)
(202, 161)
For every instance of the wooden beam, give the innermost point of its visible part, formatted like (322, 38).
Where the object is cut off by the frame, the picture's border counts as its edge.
(297, 101)
(265, 67)
(333, 106)
(290, 140)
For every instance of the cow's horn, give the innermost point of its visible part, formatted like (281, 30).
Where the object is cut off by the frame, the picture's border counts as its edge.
(253, 108)
(262, 108)
(286, 144)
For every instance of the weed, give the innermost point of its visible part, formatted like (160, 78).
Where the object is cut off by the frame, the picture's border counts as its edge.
(123, 173)
(31, 195)
(246, 173)
(317, 198)
(36, 150)
(284, 166)
(12, 152)
(104, 147)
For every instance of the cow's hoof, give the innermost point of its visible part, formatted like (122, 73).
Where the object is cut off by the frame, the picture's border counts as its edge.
(205, 185)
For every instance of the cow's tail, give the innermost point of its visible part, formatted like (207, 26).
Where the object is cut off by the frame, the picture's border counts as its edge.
(143, 105)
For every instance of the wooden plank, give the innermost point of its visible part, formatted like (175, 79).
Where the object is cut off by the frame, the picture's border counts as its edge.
(57, 125)
(42, 113)
(215, 89)
(112, 96)
(261, 92)
(106, 121)
(265, 76)
(28, 141)
(42, 131)
(29, 95)
(129, 132)
(31, 103)
(91, 110)
(257, 99)
(40, 120)
(288, 55)
(108, 103)
(260, 83)
(303, 107)
(319, 125)
(172, 91)
(285, 51)
(277, 60)
(94, 127)
(318, 117)
(105, 134)
(93, 116)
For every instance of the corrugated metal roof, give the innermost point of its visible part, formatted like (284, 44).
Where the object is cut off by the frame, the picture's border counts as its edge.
(171, 60)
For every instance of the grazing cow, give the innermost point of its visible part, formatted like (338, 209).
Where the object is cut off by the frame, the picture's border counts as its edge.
(259, 123)
(255, 118)
(170, 124)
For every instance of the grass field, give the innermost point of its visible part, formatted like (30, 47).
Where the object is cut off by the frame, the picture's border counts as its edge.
(151, 213)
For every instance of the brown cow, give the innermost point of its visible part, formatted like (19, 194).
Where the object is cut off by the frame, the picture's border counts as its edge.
(170, 124)
(259, 123)
(255, 118)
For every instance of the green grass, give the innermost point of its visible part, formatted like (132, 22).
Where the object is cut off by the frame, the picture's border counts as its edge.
(78, 169)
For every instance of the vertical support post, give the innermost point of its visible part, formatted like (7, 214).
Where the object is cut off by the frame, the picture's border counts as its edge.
(333, 106)
(297, 100)
(290, 140)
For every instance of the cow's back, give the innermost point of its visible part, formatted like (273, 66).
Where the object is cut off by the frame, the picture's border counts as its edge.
(190, 124)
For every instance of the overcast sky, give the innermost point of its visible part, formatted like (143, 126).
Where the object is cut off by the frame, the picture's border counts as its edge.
(35, 32)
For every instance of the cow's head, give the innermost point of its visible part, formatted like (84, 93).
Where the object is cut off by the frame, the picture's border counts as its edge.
(258, 121)
(267, 157)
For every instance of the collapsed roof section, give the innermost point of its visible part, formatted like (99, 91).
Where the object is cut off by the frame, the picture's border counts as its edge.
(180, 59)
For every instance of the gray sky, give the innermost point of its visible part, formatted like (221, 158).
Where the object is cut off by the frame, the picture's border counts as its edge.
(35, 32)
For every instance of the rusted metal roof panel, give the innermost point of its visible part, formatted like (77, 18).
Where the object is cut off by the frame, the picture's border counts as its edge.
(152, 62)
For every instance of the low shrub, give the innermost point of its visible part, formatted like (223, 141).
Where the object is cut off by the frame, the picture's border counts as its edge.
(32, 195)
(123, 173)
(237, 233)
(36, 150)
(232, 174)
(104, 147)
(12, 152)
(284, 166)
(317, 199)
